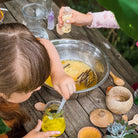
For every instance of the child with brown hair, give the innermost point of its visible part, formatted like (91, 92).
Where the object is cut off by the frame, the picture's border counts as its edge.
(25, 64)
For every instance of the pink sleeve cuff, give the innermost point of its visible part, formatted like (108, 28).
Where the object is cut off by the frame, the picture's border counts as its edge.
(103, 19)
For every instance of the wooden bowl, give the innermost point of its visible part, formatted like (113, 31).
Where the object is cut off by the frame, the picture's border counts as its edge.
(119, 100)
(89, 132)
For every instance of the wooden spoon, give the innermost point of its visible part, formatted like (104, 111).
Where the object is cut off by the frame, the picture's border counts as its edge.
(40, 106)
(117, 80)
(134, 120)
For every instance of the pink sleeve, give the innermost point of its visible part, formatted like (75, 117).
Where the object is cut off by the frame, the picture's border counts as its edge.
(103, 19)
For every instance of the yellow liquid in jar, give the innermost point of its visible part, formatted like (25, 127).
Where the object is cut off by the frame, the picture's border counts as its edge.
(75, 69)
(51, 123)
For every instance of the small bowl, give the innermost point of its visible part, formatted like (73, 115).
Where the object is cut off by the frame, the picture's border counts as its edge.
(1, 16)
(119, 100)
(89, 132)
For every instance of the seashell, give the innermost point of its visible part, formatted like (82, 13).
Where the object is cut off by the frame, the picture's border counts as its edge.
(40, 106)
(134, 120)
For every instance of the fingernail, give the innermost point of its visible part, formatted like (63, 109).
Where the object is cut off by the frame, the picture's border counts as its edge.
(55, 132)
(39, 120)
(58, 132)
(67, 21)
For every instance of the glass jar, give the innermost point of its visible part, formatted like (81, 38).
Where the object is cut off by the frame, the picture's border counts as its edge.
(34, 14)
(53, 121)
(47, 4)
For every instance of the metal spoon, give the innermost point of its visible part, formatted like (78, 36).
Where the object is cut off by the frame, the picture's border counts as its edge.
(3, 9)
(134, 120)
(61, 105)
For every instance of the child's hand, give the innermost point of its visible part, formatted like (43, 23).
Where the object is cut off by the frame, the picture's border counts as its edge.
(63, 83)
(35, 133)
(78, 19)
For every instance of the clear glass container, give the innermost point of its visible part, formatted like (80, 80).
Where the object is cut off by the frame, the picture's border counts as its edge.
(34, 14)
(53, 121)
(47, 4)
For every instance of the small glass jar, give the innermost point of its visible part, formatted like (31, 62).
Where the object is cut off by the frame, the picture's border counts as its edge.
(34, 14)
(53, 121)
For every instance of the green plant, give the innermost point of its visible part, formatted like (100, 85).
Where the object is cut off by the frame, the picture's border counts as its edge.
(124, 44)
(3, 127)
(84, 5)
(120, 130)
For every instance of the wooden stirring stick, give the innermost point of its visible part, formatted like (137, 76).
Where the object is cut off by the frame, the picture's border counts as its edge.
(117, 80)
(134, 120)
(40, 106)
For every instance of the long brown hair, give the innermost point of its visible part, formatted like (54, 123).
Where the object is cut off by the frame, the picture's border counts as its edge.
(24, 62)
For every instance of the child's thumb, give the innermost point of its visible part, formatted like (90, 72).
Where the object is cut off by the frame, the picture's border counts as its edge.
(38, 126)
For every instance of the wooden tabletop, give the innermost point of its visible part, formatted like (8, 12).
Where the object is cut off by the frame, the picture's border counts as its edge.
(77, 110)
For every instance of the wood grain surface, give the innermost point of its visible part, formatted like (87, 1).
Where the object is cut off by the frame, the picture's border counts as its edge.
(78, 108)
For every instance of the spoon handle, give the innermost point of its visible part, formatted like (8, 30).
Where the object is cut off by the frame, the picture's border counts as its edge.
(131, 122)
(111, 73)
(3, 9)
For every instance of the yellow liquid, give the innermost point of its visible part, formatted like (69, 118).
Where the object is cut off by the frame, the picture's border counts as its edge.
(74, 70)
(53, 122)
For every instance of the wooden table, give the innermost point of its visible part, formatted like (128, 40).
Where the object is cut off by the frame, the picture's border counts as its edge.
(76, 110)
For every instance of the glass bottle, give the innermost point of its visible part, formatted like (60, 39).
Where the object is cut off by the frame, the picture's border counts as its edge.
(51, 22)
(66, 28)
(53, 121)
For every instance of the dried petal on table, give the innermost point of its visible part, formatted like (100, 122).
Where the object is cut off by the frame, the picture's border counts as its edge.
(40, 106)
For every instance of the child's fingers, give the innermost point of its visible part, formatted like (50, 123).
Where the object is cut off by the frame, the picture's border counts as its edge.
(38, 126)
(50, 133)
(60, 22)
(61, 11)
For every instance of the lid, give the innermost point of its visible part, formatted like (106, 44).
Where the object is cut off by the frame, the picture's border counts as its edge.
(101, 117)
(89, 132)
